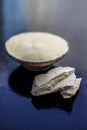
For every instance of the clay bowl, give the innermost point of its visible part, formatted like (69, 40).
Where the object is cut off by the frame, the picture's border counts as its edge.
(33, 66)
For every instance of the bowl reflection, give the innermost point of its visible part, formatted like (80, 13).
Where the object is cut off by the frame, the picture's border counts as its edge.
(21, 79)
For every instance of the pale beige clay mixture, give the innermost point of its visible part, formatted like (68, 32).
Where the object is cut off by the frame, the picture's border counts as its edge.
(36, 47)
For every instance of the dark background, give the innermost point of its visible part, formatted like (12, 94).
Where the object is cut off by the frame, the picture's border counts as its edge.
(18, 109)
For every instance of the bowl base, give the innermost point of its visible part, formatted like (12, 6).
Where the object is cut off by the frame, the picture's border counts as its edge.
(36, 68)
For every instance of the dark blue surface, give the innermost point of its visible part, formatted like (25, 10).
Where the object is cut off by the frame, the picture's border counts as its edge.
(18, 109)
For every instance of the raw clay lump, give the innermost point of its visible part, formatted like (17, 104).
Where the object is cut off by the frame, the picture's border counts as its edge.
(59, 79)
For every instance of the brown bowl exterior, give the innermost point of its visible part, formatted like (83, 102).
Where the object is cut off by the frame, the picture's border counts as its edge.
(37, 66)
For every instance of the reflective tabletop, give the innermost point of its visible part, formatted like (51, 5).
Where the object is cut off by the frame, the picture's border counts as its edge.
(19, 110)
